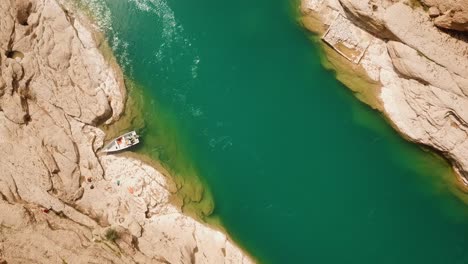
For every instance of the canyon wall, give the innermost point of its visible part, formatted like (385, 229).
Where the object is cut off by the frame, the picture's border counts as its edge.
(419, 58)
(61, 202)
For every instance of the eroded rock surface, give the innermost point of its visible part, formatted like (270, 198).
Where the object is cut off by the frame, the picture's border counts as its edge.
(449, 14)
(423, 70)
(60, 202)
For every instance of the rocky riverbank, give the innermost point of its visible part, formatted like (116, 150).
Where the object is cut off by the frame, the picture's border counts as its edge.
(60, 201)
(417, 54)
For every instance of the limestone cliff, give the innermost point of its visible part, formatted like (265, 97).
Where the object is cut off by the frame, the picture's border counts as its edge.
(60, 202)
(422, 69)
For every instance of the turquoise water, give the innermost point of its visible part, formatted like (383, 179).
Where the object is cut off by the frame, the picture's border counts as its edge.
(299, 170)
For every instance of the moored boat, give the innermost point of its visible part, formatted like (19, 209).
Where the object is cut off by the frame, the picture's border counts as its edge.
(123, 142)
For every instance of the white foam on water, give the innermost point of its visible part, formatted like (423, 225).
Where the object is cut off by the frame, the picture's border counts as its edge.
(102, 15)
(224, 142)
(172, 32)
(196, 111)
(100, 12)
(174, 40)
(176, 47)
(142, 5)
(173, 35)
(196, 61)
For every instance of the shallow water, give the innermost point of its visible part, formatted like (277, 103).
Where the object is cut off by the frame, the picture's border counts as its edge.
(299, 170)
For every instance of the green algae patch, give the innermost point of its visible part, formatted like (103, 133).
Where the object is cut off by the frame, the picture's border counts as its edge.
(132, 117)
(354, 77)
(350, 74)
(313, 23)
(162, 147)
(421, 160)
(342, 192)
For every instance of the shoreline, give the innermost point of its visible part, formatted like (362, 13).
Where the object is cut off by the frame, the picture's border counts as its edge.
(345, 71)
(133, 112)
(311, 18)
(111, 208)
(132, 117)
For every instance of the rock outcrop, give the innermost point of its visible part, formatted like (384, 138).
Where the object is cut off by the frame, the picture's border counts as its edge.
(60, 202)
(422, 70)
(369, 15)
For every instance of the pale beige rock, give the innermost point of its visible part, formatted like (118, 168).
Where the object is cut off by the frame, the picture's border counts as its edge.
(454, 13)
(434, 11)
(456, 19)
(423, 72)
(414, 65)
(140, 198)
(58, 199)
(348, 41)
(414, 28)
(47, 238)
(442, 5)
(368, 14)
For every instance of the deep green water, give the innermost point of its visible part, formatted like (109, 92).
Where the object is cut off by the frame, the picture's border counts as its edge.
(299, 170)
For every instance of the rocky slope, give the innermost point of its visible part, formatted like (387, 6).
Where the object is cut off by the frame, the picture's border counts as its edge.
(60, 202)
(449, 14)
(422, 69)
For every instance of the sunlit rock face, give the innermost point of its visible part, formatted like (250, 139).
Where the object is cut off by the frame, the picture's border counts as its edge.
(60, 201)
(449, 14)
(422, 65)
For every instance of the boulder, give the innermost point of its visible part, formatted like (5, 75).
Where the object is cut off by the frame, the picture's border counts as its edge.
(453, 13)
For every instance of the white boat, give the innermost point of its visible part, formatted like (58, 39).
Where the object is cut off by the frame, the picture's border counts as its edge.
(123, 142)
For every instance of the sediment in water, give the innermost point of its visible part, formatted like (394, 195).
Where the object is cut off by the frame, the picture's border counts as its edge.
(54, 184)
(355, 77)
(351, 75)
(161, 147)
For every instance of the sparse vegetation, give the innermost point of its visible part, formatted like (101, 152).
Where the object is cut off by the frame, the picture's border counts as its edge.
(417, 4)
(112, 235)
(414, 4)
(424, 56)
(420, 53)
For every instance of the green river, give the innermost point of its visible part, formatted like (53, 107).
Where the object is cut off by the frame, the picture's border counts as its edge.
(239, 108)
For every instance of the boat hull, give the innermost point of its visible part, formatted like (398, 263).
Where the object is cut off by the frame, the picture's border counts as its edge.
(122, 142)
